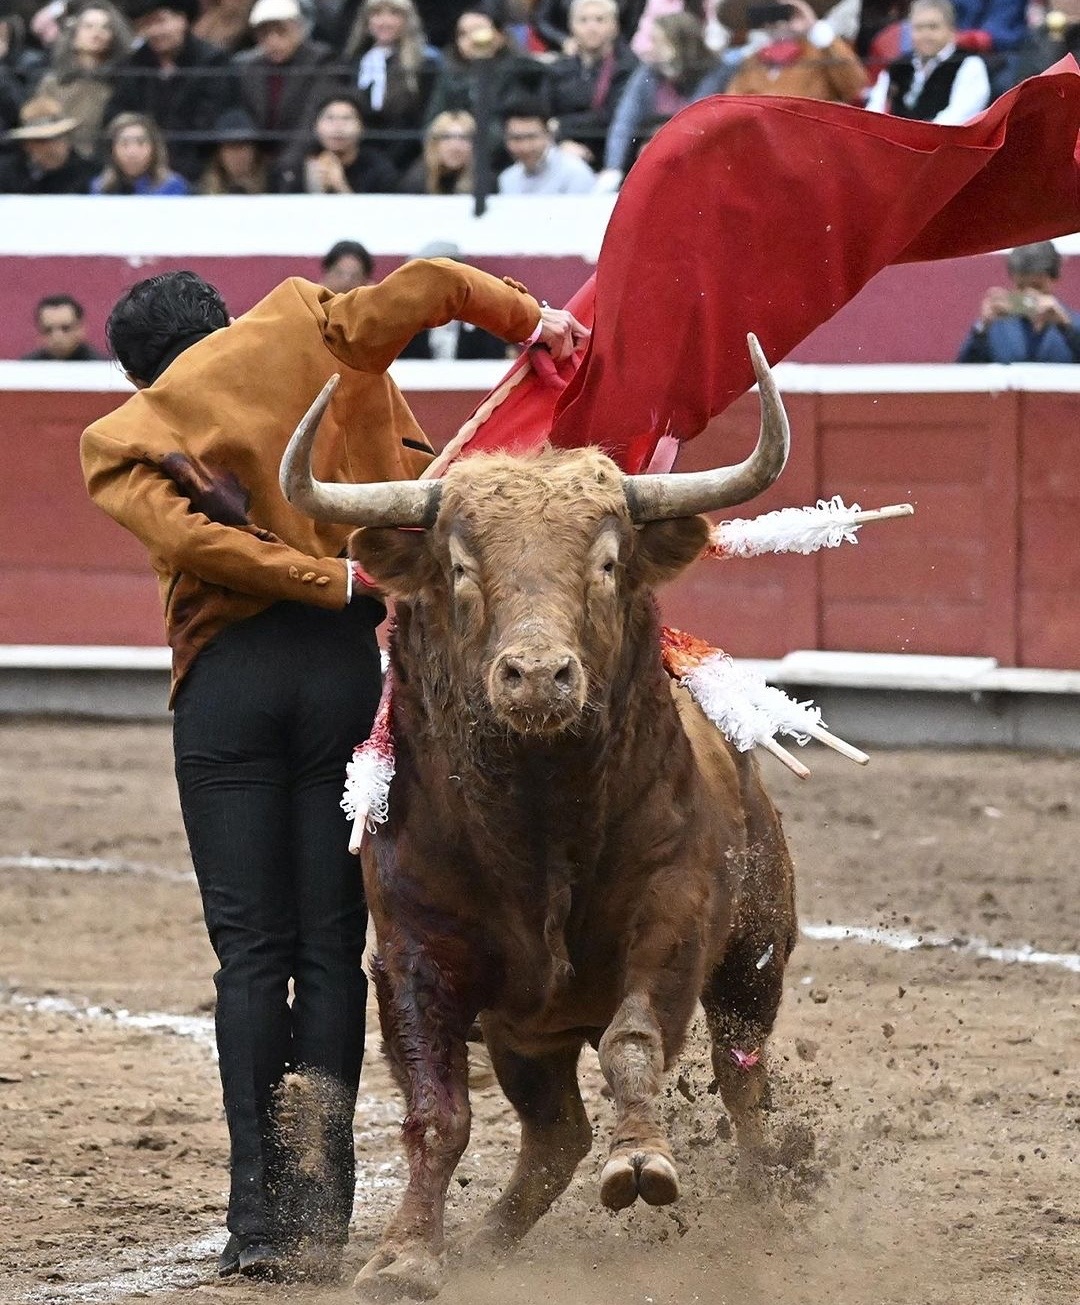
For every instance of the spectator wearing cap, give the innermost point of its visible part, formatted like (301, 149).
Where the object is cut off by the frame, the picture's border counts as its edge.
(540, 167)
(337, 162)
(239, 164)
(84, 56)
(454, 341)
(347, 265)
(138, 161)
(285, 74)
(392, 70)
(61, 332)
(46, 163)
(180, 81)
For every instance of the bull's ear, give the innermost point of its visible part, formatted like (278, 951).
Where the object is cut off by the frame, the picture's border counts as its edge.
(664, 548)
(400, 560)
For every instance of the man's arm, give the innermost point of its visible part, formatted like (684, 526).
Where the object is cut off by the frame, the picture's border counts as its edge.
(367, 328)
(970, 93)
(145, 500)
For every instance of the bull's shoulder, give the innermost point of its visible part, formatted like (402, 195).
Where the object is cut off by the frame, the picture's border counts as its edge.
(717, 760)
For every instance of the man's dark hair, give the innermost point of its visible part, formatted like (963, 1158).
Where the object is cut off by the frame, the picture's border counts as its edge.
(349, 249)
(136, 9)
(158, 315)
(340, 97)
(1040, 259)
(525, 106)
(59, 301)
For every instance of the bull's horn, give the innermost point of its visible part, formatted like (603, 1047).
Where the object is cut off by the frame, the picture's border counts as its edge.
(387, 503)
(660, 498)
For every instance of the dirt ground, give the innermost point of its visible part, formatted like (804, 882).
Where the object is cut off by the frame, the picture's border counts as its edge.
(942, 1086)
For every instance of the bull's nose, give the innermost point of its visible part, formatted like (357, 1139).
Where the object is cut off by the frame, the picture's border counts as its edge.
(540, 682)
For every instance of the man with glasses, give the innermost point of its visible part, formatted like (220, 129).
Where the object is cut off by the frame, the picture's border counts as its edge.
(61, 332)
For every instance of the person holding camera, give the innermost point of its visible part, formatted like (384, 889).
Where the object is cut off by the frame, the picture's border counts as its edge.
(1026, 323)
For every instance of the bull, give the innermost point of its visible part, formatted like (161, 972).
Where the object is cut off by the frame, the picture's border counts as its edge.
(573, 854)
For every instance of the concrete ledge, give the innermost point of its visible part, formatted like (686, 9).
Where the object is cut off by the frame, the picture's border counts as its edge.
(872, 699)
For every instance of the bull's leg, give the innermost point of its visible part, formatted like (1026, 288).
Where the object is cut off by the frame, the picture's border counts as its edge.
(555, 1138)
(741, 998)
(423, 1025)
(633, 1056)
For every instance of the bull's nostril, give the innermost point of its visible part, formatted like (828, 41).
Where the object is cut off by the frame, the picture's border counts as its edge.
(563, 676)
(511, 674)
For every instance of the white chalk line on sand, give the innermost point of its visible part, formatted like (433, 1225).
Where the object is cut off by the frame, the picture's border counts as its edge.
(901, 941)
(94, 865)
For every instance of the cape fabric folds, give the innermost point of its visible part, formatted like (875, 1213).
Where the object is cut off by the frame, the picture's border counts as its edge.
(768, 215)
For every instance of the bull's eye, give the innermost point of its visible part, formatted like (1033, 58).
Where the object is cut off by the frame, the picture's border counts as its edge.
(608, 567)
(457, 571)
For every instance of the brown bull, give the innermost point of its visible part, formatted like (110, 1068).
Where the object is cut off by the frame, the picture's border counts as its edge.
(573, 853)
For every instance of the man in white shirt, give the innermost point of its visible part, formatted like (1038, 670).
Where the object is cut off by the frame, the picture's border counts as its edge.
(540, 167)
(936, 82)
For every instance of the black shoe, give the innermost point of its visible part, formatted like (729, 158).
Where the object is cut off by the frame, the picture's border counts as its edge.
(229, 1259)
(253, 1256)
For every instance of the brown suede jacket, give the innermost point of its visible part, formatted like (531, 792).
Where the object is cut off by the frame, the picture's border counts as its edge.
(190, 464)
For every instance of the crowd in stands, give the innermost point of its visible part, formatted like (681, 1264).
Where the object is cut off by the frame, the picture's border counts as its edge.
(178, 97)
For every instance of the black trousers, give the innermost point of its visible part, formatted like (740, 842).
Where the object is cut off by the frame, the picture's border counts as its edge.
(264, 724)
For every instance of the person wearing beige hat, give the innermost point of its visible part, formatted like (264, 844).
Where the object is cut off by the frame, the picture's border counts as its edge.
(285, 74)
(46, 163)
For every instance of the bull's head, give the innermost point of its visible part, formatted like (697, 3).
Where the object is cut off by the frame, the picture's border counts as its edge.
(533, 572)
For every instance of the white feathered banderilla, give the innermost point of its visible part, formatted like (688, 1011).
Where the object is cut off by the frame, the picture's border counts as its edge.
(797, 530)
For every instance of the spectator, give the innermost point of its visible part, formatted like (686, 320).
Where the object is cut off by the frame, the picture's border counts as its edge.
(138, 161)
(585, 86)
(803, 57)
(238, 165)
(46, 164)
(540, 167)
(19, 69)
(82, 61)
(223, 23)
(286, 74)
(706, 11)
(680, 69)
(553, 22)
(996, 29)
(61, 332)
(481, 46)
(938, 82)
(393, 72)
(181, 82)
(347, 265)
(1026, 323)
(455, 341)
(337, 163)
(445, 166)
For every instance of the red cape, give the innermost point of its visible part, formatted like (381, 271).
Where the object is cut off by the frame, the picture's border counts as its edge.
(768, 215)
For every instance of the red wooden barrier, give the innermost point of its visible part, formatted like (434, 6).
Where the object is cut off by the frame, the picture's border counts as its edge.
(989, 565)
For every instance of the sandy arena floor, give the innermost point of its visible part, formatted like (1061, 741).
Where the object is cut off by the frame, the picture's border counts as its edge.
(942, 1082)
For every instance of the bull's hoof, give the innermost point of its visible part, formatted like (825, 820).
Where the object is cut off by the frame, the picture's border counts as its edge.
(413, 1273)
(650, 1176)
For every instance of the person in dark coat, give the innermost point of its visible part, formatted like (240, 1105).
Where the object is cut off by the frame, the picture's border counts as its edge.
(61, 332)
(46, 163)
(183, 83)
(1027, 322)
(285, 74)
(337, 162)
(454, 341)
(583, 88)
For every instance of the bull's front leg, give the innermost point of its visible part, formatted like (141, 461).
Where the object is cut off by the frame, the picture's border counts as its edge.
(424, 1021)
(633, 1056)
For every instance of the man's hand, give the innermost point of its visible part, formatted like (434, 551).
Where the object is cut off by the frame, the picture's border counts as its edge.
(561, 332)
(1046, 311)
(996, 303)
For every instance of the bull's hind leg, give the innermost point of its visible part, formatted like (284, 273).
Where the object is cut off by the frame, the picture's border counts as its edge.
(741, 999)
(423, 1024)
(633, 1056)
(555, 1138)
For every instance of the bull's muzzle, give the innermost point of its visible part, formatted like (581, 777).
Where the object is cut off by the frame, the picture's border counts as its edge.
(537, 691)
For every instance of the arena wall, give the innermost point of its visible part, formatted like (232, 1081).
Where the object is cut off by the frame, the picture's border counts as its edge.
(988, 566)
